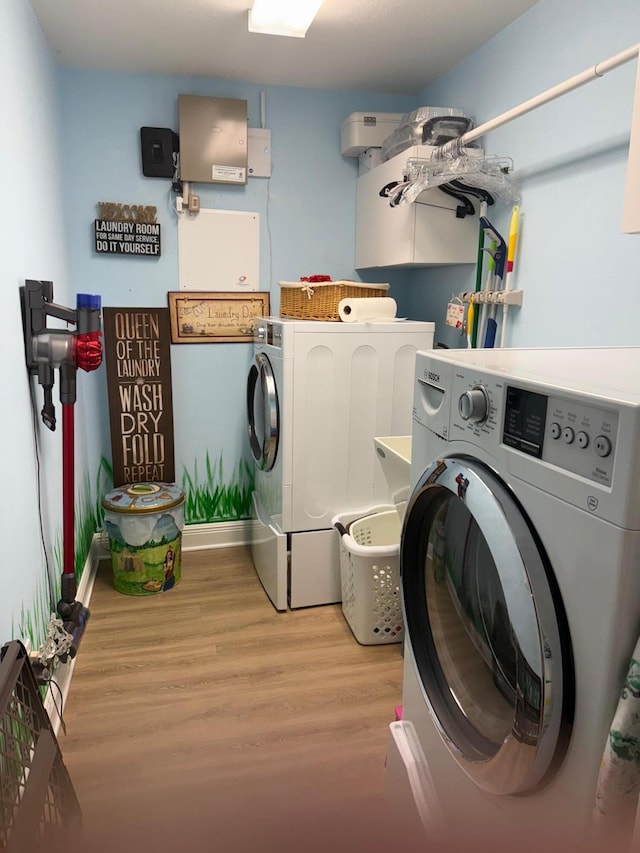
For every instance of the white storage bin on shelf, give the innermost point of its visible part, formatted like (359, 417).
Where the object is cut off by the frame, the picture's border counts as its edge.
(370, 574)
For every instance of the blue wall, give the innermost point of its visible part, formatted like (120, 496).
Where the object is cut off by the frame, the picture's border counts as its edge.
(577, 270)
(307, 217)
(73, 146)
(33, 246)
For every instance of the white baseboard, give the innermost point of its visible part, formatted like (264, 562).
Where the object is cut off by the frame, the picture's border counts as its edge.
(198, 537)
(195, 537)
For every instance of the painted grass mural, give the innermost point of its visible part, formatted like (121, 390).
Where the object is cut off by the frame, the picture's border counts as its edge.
(32, 622)
(212, 499)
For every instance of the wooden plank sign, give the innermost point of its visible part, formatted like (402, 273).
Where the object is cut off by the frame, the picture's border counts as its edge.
(138, 359)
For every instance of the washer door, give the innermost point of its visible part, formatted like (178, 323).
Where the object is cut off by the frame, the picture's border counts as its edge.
(263, 413)
(486, 627)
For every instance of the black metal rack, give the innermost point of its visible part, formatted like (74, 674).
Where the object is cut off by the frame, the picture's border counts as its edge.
(38, 804)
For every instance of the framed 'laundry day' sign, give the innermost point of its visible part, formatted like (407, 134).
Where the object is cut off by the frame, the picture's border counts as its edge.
(138, 359)
(216, 317)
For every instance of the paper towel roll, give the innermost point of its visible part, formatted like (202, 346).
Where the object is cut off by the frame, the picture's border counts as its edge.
(363, 310)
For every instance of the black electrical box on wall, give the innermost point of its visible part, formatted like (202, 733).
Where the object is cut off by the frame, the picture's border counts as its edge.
(158, 144)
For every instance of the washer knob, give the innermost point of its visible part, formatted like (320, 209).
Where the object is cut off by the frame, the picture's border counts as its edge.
(473, 405)
(602, 445)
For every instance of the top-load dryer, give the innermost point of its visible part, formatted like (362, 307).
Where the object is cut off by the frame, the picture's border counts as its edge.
(317, 394)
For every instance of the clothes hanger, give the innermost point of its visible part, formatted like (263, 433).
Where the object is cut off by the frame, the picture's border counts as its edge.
(476, 192)
(465, 208)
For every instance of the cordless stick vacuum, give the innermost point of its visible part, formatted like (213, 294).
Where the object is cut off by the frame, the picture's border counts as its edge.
(47, 349)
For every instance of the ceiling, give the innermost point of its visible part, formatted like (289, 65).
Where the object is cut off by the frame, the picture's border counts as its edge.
(385, 46)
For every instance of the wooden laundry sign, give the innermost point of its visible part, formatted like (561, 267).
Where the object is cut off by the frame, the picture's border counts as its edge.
(138, 359)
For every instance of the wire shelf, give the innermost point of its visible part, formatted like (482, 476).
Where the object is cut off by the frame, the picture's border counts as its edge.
(38, 803)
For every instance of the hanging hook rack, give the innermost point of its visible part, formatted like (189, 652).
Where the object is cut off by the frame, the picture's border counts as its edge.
(492, 297)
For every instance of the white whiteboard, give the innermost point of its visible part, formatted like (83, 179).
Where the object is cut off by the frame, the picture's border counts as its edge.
(219, 250)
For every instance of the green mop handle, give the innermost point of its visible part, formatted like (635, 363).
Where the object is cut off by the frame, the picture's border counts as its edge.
(476, 314)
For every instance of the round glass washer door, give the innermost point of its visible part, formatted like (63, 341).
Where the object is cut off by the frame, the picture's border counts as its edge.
(487, 628)
(263, 413)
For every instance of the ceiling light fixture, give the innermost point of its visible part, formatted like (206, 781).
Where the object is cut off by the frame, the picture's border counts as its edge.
(283, 17)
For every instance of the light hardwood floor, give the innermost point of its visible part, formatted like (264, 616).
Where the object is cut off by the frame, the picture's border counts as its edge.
(202, 719)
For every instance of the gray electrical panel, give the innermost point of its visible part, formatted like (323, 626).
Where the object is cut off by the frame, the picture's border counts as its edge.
(213, 139)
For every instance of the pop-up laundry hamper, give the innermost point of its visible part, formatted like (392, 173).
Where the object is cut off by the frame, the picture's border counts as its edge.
(370, 574)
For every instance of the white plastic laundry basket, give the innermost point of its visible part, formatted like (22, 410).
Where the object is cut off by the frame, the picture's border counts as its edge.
(369, 568)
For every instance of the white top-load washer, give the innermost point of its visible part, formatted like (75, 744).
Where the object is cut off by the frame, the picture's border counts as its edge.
(317, 394)
(520, 577)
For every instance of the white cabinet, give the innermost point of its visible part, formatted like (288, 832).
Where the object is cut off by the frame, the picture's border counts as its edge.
(425, 233)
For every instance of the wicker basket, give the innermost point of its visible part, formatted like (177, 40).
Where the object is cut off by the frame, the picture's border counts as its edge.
(319, 300)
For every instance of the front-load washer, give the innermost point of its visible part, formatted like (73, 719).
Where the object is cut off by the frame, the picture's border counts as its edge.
(317, 394)
(520, 578)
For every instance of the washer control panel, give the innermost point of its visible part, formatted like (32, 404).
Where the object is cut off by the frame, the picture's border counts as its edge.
(571, 435)
(267, 332)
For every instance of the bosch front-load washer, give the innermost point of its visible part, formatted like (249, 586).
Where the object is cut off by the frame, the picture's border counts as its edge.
(520, 577)
(317, 394)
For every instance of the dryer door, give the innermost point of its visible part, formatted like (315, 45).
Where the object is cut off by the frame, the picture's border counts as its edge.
(262, 412)
(486, 626)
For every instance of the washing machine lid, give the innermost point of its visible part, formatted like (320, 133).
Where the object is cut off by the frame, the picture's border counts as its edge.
(486, 626)
(263, 412)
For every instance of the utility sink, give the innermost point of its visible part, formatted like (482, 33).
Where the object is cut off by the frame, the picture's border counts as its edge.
(394, 453)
